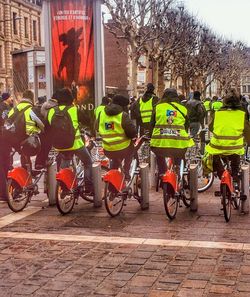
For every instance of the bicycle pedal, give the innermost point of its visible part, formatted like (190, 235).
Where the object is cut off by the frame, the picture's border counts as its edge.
(36, 192)
(217, 193)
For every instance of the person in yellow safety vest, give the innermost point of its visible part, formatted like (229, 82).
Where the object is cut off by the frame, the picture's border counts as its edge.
(169, 136)
(105, 101)
(230, 129)
(142, 109)
(207, 105)
(64, 123)
(33, 125)
(117, 131)
(216, 105)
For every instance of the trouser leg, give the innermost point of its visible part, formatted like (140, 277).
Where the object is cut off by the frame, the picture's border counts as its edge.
(235, 166)
(4, 168)
(85, 157)
(161, 163)
(42, 156)
(218, 166)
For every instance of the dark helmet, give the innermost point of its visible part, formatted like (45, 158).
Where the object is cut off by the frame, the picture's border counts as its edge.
(31, 146)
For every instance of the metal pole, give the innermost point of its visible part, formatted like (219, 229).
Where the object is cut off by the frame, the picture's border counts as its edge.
(48, 54)
(99, 52)
(97, 183)
(144, 173)
(245, 189)
(194, 187)
(51, 180)
(152, 170)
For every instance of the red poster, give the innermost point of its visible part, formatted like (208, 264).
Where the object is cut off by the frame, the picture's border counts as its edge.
(73, 47)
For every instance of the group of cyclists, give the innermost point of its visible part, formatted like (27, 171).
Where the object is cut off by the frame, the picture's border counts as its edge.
(170, 122)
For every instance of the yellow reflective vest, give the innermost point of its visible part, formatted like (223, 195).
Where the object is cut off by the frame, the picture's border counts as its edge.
(98, 109)
(146, 109)
(169, 130)
(228, 130)
(112, 133)
(30, 125)
(73, 112)
(207, 105)
(217, 105)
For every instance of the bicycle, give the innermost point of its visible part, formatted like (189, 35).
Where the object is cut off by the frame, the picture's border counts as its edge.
(117, 192)
(70, 186)
(195, 155)
(230, 196)
(176, 188)
(23, 184)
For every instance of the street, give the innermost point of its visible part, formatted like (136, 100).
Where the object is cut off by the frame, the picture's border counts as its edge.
(139, 253)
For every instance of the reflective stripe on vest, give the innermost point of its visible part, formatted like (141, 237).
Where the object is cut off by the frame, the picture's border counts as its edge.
(169, 130)
(112, 133)
(227, 136)
(146, 109)
(73, 112)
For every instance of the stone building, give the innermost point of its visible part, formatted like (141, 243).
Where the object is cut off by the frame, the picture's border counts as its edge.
(19, 29)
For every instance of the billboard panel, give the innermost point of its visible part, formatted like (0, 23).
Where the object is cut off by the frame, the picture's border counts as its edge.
(72, 49)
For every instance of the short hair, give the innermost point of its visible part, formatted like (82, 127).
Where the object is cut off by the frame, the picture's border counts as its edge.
(232, 98)
(65, 97)
(28, 94)
(105, 100)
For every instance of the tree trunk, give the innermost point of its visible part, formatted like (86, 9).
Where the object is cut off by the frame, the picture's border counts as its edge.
(134, 68)
(161, 86)
(156, 76)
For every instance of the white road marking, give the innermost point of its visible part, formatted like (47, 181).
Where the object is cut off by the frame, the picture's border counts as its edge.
(13, 217)
(126, 240)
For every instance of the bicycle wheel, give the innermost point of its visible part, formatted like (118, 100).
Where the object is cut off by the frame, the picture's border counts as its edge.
(226, 202)
(17, 199)
(170, 201)
(204, 181)
(65, 200)
(113, 201)
(186, 197)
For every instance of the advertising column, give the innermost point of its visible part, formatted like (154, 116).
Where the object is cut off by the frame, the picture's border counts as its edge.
(72, 48)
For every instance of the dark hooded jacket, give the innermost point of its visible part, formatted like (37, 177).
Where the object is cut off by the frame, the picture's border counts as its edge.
(196, 111)
(127, 124)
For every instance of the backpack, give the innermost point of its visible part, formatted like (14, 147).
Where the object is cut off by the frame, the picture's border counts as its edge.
(61, 129)
(14, 129)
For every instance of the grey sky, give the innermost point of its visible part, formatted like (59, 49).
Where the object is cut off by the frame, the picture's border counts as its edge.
(230, 18)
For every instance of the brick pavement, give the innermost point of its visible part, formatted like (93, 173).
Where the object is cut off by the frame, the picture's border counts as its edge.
(40, 267)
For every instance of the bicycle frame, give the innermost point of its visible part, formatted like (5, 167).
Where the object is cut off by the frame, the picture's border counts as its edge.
(227, 180)
(171, 177)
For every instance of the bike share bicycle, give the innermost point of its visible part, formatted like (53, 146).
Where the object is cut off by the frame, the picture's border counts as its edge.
(231, 193)
(117, 191)
(71, 184)
(176, 188)
(23, 183)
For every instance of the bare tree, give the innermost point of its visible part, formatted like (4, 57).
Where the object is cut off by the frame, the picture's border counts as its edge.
(136, 21)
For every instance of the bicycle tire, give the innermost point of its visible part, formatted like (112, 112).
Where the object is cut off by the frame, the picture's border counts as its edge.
(170, 201)
(111, 200)
(226, 202)
(16, 204)
(186, 197)
(63, 204)
(209, 179)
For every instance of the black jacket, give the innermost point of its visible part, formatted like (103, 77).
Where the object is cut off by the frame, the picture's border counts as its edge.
(196, 111)
(127, 124)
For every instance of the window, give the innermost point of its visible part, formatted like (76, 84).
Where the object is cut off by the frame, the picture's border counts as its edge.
(244, 89)
(14, 21)
(141, 78)
(1, 56)
(248, 89)
(26, 27)
(34, 31)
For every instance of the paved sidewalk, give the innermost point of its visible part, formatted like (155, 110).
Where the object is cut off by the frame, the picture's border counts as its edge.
(87, 253)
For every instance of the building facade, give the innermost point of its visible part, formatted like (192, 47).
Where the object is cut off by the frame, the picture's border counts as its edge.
(19, 29)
